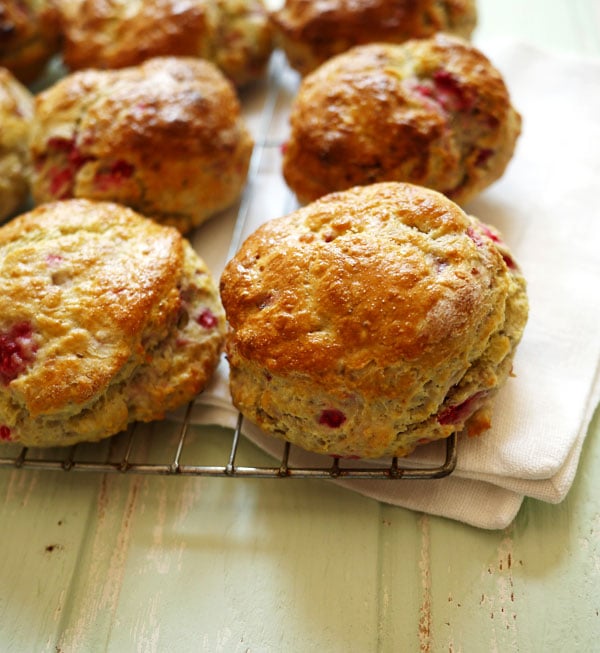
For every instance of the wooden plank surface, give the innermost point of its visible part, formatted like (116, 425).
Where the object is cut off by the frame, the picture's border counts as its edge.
(135, 563)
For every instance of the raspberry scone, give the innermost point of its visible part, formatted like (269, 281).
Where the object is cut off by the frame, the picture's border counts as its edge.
(312, 32)
(433, 112)
(106, 318)
(372, 321)
(29, 36)
(166, 138)
(236, 35)
(16, 112)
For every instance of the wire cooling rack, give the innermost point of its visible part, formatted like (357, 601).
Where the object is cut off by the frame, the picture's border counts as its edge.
(183, 449)
(171, 449)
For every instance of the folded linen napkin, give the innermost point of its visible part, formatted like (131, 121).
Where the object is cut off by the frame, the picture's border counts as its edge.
(546, 206)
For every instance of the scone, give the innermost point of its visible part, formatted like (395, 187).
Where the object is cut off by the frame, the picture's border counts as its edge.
(236, 35)
(311, 32)
(29, 36)
(433, 112)
(371, 321)
(106, 317)
(16, 112)
(166, 138)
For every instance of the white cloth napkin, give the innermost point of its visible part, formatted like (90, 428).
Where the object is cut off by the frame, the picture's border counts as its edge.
(547, 207)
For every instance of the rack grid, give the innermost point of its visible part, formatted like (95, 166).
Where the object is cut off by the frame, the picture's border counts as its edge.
(128, 452)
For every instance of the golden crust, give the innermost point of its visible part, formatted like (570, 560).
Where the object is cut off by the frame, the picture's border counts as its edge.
(16, 112)
(243, 42)
(233, 34)
(311, 31)
(93, 294)
(300, 311)
(383, 305)
(433, 112)
(166, 138)
(30, 35)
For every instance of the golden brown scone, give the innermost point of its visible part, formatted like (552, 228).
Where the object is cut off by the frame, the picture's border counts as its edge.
(166, 138)
(310, 32)
(105, 318)
(371, 321)
(243, 41)
(236, 35)
(16, 112)
(29, 36)
(433, 112)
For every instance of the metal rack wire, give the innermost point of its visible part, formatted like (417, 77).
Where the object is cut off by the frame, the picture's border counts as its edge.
(172, 449)
(120, 455)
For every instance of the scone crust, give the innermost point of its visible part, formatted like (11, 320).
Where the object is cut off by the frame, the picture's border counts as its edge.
(433, 112)
(243, 42)
(16, 112)
(98, 322)
(31, 35)
(384, 305)
(311, 32)
(166, 138)
(233, 34)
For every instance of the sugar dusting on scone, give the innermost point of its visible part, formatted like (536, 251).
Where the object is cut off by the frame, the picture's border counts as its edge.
(106, 318)
(433, 112)
(166, 138)
(371, 321)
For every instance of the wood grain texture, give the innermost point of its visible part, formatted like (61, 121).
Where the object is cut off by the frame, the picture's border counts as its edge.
(151, 564)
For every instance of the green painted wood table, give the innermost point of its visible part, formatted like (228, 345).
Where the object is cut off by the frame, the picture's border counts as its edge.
(123, 562)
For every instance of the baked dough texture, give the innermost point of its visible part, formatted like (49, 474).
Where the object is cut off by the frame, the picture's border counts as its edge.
(29, 36)
(166, 138)
(16, 112)
(372, 321)
(312, 31)
(236, 35)
(433, 112)
(106, 317)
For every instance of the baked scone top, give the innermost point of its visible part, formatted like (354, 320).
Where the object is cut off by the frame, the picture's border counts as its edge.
(234, 34)
(118, 33)
(433, 112)
(81, 282)
(166, 138)
(29, 36)
(363, 280)
(177, 105)
(313, 31)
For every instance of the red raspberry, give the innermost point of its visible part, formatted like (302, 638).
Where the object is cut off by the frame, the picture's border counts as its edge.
(450, 94)
(68, 146)
(54, 259)
(477, 238)
(446, 91)
(207, 319)
(332, 417)
(61, 144)
(60, 182)
(460, 412)
(115, 175)
(16, 351)
(61, 177)
(483, 156)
